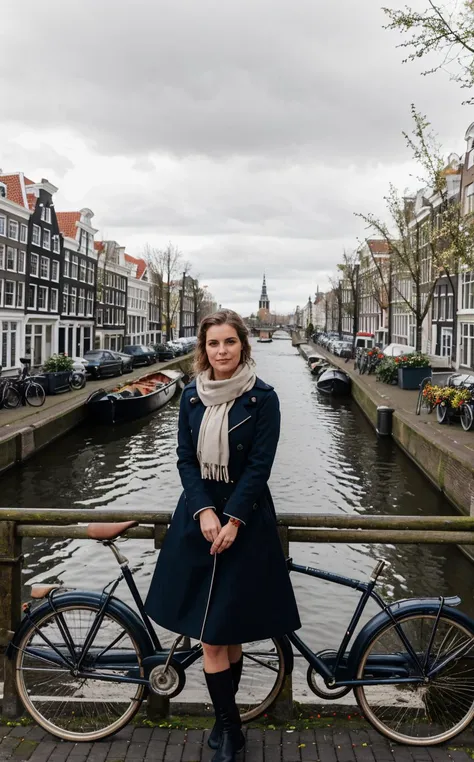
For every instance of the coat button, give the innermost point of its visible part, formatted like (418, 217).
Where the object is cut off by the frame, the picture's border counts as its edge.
(253, 400)
(193, 400)
(240, 447)
(255, 506)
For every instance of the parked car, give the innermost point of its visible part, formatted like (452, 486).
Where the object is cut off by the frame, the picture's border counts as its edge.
(102, 362)
(163, 352)
(178, 348)
(141, 354)
(127, 361)
(396, 350)
(343, 349)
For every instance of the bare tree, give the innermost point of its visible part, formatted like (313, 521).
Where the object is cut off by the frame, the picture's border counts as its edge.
(446, 32)
(166, 265)
(350, 270)
(336, 290)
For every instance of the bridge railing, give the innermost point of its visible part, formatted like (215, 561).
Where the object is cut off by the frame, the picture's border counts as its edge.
(17, 523)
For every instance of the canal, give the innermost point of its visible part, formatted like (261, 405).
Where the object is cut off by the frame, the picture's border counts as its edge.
(329, 461)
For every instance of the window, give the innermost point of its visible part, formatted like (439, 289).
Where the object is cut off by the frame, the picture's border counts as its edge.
(42, 298)
(66, 299)
(467, 291)
(73, 301)
(3, 225)
(22, 262)
(46, 239)
(469, 199)
(46, 214)
(44, 269)
(442, 304)
(90, 304)
(11, 259)
(20, 294)
(23, 233)
(53, 300)
(81, 301)
(100, 316)
(55, 270)
(2, 257)
(435, 306)
(9, 344)
(56, 244)
(36, 235)
(34, 265)
(32, 297)
(467, 344)
(13, 229)
(74, 266)
(82, 271)
(450, 310)
(9, 294)
(90, 273)
(67, 269)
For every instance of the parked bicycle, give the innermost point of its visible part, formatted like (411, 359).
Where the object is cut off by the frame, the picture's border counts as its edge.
(22, 389)
(84, 661)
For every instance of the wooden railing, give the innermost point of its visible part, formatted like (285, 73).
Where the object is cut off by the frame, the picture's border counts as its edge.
(16, 523)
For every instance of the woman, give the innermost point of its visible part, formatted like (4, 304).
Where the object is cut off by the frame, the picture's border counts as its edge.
(221, 575)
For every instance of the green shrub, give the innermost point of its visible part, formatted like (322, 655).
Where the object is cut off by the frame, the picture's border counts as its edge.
(58, 363)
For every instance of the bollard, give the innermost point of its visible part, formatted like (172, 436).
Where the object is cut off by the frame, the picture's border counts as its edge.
(384, 421)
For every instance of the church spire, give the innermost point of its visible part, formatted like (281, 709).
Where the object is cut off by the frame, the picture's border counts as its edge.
(264, 303)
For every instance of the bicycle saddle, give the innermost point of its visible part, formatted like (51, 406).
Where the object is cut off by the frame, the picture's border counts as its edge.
(109, 531)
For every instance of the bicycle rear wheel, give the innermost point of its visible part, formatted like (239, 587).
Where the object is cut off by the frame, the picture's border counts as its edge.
(34, 394)
(430, 711)
(11, 397)
(73, 707)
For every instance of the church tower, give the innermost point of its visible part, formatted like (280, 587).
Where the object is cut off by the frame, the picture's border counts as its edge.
(264, 303)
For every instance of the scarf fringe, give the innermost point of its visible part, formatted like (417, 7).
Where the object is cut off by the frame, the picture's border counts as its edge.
(215, 471)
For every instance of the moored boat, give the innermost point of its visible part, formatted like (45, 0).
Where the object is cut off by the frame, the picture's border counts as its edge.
(334, 381)
(319, 367)
(264, 337)
(134, 399)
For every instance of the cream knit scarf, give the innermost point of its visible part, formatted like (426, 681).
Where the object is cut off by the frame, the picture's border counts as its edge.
(218, 398)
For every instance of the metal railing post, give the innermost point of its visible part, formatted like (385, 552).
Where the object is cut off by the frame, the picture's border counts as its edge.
(282, 709)
(157, 707)
(10, 610)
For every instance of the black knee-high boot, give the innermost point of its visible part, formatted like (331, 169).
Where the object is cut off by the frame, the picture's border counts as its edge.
(215, 736)
(221, 691)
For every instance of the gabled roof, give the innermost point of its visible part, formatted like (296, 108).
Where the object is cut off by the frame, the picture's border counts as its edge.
(15, 183)
(140, 263)
(67, 222)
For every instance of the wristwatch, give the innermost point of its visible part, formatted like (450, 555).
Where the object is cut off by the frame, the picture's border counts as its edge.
(235, 522)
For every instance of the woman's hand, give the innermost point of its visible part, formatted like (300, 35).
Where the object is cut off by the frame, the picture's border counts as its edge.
(210, 524)
(225, 538)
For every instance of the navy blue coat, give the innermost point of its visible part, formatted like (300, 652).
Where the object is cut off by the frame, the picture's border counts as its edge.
(243, 594)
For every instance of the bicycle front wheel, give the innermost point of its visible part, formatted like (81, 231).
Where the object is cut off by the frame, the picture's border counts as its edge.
(79, 707)
(467, 416)
(435, 709)
(11, 397)
(34, 394)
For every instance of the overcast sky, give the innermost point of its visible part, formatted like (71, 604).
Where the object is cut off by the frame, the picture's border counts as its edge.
(247, 133)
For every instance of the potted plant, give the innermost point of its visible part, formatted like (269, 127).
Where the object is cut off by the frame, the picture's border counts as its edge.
(56, 371)
(412, 369)
(387, 371)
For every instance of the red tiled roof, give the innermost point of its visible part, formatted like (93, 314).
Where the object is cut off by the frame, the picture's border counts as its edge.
(99, 245)
(32, 199)
(140, 263)
(67, 223)
(14, 188)
(378, 246)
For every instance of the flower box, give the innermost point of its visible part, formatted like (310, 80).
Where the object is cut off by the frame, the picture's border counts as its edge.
(411, 378)
(56, 382)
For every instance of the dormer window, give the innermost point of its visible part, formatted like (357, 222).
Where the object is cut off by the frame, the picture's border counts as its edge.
(3, 190)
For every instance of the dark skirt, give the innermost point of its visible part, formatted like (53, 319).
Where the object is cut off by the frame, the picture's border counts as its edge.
(241, 595)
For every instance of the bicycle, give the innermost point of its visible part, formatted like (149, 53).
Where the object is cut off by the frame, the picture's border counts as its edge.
(66, 656)
(423, 402)
(77, 380)
(22, 390)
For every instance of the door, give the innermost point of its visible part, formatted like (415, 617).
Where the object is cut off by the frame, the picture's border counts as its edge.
(446, 343)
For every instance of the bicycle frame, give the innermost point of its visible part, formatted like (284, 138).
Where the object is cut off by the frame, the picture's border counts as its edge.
(334, 677)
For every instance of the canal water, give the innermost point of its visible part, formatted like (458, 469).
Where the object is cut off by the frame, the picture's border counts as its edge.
(329, 461)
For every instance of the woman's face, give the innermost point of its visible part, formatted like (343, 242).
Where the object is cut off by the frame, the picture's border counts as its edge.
(224, 350)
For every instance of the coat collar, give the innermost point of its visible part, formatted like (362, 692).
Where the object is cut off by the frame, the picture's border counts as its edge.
(259, 384)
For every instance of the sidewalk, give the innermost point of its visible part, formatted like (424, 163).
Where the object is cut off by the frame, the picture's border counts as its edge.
(164, 745)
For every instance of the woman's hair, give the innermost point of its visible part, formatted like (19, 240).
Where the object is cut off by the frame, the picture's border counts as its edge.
(222, 317)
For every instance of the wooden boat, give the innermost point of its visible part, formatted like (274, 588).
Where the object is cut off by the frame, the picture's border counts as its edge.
(319, 367)
(135, 399)
(334, 381)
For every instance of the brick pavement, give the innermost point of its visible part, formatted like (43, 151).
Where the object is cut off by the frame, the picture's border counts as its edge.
(137, 744)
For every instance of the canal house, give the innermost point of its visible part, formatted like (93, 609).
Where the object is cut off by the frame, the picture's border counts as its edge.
(14, 219)
(111, 297)
(78, 282)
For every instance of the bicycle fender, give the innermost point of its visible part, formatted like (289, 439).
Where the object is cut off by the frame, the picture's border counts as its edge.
(287, 653)
(401, 609)
(116, 607)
